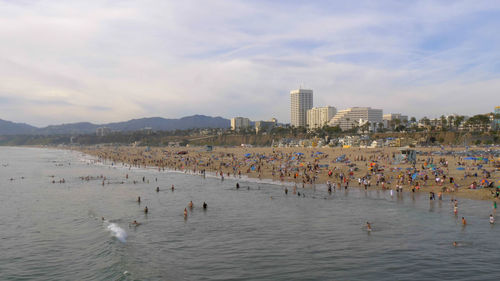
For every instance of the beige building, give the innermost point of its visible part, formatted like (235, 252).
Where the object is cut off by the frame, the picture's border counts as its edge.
(265, 126)
(389, 118)
(317, 117)
(239, 123)
(301, 101)
(352, 117)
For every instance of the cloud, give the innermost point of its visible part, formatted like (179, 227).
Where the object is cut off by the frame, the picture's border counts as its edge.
(105, 61)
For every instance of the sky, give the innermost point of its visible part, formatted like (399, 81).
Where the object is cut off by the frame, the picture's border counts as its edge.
(108, 61)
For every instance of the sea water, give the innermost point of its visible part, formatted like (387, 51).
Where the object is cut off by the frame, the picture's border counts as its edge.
(80, 230)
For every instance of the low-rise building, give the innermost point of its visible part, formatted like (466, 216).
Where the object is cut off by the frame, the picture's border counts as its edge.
(389, 120)
(352, 117)
(265, 126)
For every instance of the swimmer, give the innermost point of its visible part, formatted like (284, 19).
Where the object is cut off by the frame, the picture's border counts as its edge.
(102, 218)
(135, 223)
(146, 210)
(204, 205)
(492, 219)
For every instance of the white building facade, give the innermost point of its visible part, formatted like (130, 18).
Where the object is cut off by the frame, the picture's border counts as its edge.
(352, 117)
(301, 101)
(239, 123)
(317, 117)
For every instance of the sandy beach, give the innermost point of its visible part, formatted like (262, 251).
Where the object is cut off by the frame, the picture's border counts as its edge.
(308, 167)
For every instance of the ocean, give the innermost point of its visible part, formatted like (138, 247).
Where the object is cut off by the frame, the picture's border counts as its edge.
(53, 229)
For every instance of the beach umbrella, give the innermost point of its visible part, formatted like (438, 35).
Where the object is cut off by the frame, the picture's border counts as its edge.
(460, 168)
(248, 155)
(470, 158)
(299, 153)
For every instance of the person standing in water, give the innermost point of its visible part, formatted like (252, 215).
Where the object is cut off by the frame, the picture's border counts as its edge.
(185, 213)
(368, 226)
(204, 205)
(492, 219)
(464, 222)
(138, 199)
(146, 210)
(173, 187)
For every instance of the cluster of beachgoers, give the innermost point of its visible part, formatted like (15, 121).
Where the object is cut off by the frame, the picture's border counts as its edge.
(436, 171)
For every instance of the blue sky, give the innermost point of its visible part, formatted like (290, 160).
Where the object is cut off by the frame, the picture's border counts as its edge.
(105, 61)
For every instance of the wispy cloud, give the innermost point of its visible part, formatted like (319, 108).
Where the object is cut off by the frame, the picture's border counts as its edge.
(103, 61)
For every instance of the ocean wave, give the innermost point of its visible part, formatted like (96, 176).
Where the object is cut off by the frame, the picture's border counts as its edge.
(117, 232)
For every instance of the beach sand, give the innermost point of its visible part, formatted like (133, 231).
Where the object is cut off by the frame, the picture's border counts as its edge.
(268, 162)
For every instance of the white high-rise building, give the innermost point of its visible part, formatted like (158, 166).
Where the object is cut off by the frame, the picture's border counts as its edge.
(346, 119)
(317, 117)
(301, 101)
(238, 123)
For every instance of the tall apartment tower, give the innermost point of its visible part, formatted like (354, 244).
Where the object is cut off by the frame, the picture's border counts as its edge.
(301, 101)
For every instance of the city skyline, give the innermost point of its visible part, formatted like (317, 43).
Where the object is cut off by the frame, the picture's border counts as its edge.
(65, 62)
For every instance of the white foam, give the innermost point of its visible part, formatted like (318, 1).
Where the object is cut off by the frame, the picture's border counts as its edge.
(117, 232)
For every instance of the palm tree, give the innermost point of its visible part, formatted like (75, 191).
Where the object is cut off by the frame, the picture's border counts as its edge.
(443, 122)
(450, 121)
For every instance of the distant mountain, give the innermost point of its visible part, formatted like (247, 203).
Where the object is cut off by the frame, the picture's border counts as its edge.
(65, 129)
(11, 128)
(156, 123)
(162, 124)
